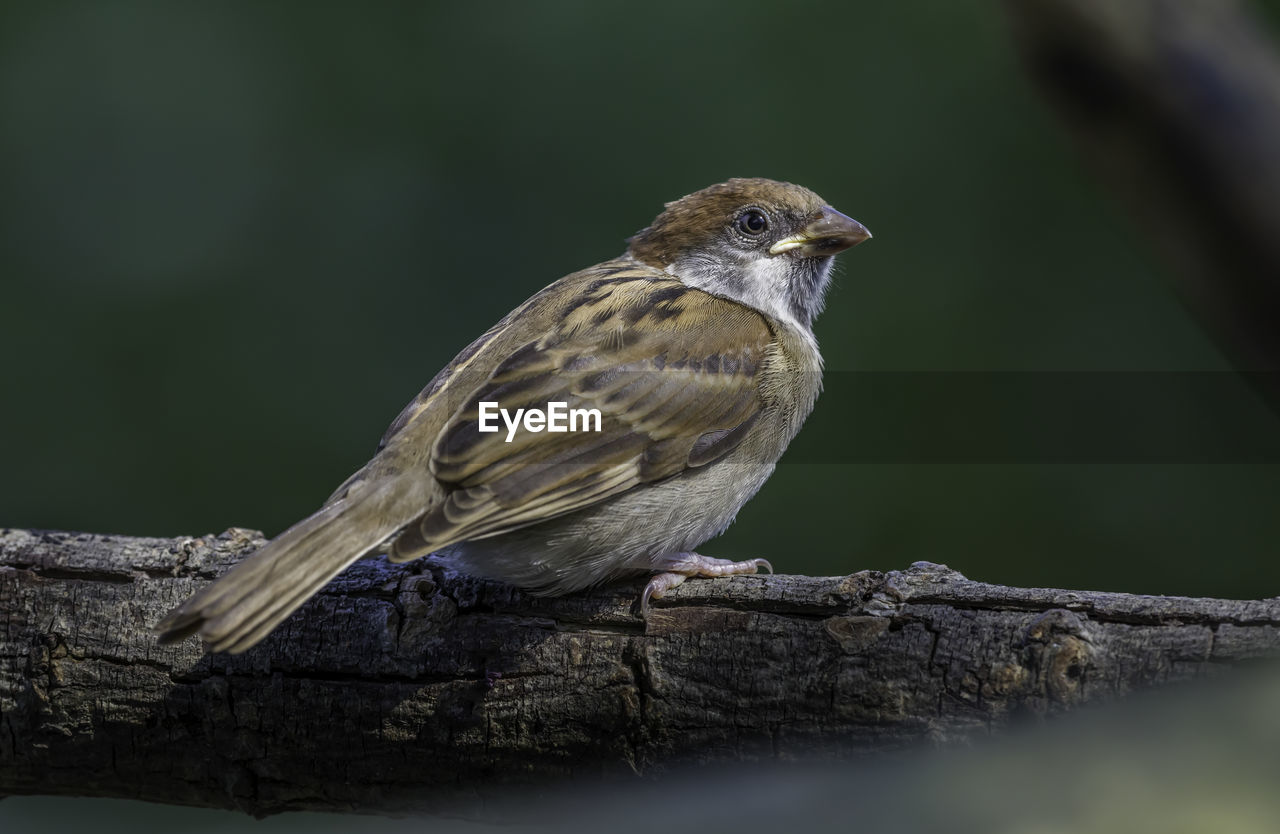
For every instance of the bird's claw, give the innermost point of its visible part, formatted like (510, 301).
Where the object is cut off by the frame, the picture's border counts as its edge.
(684, 565)
(658, 585)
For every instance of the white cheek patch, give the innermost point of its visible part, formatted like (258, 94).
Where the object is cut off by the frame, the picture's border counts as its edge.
(767, 284)
(761, 283)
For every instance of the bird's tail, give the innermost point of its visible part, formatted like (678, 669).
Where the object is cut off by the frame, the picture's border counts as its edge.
(255, 596)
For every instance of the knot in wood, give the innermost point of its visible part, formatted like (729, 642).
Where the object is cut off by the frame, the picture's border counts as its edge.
(422, 611)
(1059, 651)
(856, 633)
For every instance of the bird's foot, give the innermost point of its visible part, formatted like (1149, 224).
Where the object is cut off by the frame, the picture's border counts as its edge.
(680, 566)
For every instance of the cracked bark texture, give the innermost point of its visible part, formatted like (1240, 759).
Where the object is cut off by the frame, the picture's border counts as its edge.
(411, 687)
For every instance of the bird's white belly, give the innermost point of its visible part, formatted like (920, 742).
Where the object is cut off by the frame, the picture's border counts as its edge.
(627, 535)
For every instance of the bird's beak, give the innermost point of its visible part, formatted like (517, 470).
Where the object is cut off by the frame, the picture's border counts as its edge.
(830, 232)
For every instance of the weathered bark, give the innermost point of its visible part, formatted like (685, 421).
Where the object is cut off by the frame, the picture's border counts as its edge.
(411, 687)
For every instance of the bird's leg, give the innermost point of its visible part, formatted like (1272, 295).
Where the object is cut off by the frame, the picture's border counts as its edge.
(677, 567)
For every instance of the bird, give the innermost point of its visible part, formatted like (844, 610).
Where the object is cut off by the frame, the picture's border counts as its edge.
(693, 351)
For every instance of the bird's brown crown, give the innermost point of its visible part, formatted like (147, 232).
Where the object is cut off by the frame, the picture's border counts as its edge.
(695, 220)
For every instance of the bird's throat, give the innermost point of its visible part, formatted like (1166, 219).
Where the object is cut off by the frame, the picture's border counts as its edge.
(809, 280)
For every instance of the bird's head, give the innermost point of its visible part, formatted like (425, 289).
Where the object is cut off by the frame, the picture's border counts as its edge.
(766, 244)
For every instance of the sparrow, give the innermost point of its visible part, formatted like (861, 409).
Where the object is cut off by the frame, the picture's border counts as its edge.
(695, 351)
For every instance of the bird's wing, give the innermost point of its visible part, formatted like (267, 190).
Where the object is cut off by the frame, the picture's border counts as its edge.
(672, 372)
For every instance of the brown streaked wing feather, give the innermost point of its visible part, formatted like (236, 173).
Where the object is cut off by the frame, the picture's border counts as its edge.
(674, 381)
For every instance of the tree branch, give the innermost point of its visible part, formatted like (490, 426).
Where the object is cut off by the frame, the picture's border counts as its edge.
(1176, 106)
(410, 687)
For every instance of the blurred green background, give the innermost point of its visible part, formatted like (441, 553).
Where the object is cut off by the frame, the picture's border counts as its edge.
(236, 239)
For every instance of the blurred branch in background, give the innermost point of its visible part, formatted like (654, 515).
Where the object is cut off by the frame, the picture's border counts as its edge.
(411, 688)
(1176, 104)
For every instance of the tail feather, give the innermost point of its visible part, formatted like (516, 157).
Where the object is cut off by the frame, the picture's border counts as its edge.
(254, 597)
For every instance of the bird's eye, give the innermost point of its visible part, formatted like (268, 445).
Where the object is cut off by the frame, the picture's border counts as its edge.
(753, 222)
